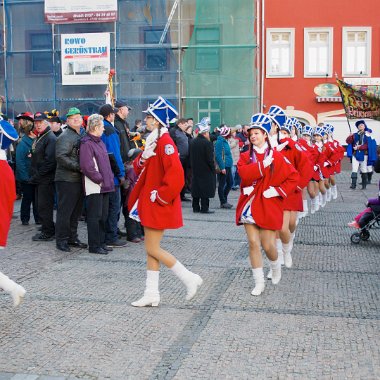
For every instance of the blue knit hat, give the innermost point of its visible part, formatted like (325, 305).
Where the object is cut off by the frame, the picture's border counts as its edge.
(308, 130)
(329, 128)
(287, 126)
(163, 111)
(261, 121)
(319, 131)
(7, 134)
(277, 114)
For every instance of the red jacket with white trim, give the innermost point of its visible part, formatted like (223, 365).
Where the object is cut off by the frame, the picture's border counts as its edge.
(267, 212)
(8, 197)
(163, 173)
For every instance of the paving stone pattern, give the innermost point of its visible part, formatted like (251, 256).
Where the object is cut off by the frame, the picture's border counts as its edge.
(320, 322)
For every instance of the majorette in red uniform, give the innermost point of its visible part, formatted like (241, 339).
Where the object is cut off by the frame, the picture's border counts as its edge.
(284, 236)
(300, 160)
(161, 173)
(337, 158)
(323, 164)
(266, 179)
(155, 201)
(7, 197)
(314, 154)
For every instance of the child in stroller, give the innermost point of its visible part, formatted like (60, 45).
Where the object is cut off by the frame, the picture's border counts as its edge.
(370, 216)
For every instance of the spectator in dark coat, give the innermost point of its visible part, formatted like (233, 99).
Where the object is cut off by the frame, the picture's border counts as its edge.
(110, 137)
(203, 167)
(42, 172)
(23, 162)
(179, 136)
(68, 183)
(98, 183)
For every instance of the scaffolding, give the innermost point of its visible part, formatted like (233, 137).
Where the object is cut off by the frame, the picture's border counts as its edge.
(201, 55)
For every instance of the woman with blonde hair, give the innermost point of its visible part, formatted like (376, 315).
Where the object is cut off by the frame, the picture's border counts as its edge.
(155, 201)
(266, 179)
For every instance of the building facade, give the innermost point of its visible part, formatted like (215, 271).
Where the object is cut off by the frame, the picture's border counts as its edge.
(199, 54)
(307, 44)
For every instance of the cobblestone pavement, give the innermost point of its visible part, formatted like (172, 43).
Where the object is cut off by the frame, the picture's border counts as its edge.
(320, 322)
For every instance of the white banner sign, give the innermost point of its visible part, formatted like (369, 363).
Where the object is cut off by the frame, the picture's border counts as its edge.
(80, 11)
(85, 58)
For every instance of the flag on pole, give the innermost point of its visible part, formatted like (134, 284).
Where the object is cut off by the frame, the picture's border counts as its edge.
(359, 103)
(110, 99)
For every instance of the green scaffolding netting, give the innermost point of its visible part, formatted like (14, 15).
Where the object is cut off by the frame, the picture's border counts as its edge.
(218, 66)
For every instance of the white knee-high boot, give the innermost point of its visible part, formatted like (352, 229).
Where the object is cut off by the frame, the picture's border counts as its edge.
(15, 290)
(334, 191)
(328, 192)
(318, 202)
(151, 295)
(258, 276)
(191, 280)
(279, 251)
(280, 257)
(275, 267)
(313, 202)
(287, 249)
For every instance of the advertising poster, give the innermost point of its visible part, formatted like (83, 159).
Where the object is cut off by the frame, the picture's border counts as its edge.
(80, 11)
(85, 58)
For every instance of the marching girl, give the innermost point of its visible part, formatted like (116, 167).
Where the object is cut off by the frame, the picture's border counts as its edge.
(8, 195)
(155, 201)
(338, 157)
(266, 179)
(296, 135)
(312, 186)
(322, 165)
(294, 203)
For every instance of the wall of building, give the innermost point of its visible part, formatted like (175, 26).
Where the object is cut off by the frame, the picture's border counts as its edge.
(299, 14)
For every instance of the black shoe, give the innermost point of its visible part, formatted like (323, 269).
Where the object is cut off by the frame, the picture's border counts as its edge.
(99, 251)
(63, 246)
(77, 243)
(207, 212)
(38, 223)
(117, 244)
(226, 205)
(42, 237)
(25, 223)
(196, 211)
(184, 199)
(109, 249)
(121, 233)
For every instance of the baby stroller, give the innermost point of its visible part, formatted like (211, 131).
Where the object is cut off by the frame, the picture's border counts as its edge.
(370, 219)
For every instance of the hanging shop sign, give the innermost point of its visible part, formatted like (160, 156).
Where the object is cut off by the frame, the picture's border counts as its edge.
(85, 58)
(80, 11)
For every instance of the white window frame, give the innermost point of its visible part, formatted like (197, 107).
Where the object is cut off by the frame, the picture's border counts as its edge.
(269, 73)
(329, 73)
(366, 29)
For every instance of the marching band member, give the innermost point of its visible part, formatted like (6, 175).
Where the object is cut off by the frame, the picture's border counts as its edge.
(294, 203)
(323, 171)
(312, 186)
(336, 159)
(278, 117)
(266, 179)
(8, 195)
(155, 201)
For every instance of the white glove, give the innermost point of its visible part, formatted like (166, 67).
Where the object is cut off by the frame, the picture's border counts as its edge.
(149, 151)
(153, 195)
(268, 160)
(316, 168)
(271, 192)
(280, 147)
(326, 164)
